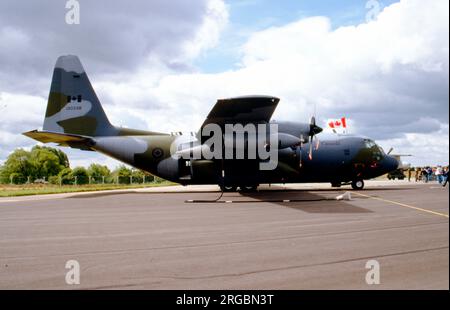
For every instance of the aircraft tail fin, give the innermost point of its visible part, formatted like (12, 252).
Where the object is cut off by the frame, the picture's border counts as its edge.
(73, 106)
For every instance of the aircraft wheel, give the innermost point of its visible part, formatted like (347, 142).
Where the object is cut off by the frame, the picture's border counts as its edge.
(229, 188)
(249, 188)
(358, 184)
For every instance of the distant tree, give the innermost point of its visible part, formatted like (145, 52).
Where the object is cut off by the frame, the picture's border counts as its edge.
(46, 162)
(63, 159)
(17, 178)
(18, 163)
(123, 171)
(41, 162)
(123, 174)
(54, 179)
(158, 179)
(97, 172)
(138, 176)
(79, 175)
(149, 177)
(65, 176)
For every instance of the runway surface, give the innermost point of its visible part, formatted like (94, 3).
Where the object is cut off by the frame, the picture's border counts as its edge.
(153, 239)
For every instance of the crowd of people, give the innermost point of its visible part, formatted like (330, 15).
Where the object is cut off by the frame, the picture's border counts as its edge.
(427, 174)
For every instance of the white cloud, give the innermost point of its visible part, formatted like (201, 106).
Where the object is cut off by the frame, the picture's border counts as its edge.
(208, 35)
(426, 149)
(389, 76)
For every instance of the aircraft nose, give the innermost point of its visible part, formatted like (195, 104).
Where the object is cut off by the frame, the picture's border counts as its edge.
(390, 163)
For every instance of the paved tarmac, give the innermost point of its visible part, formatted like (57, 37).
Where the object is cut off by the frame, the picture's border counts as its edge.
(154, 239)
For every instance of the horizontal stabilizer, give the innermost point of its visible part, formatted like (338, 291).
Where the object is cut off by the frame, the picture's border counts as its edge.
(63, 139)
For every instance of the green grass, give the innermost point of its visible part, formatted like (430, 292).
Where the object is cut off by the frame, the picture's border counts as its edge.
(42, 189)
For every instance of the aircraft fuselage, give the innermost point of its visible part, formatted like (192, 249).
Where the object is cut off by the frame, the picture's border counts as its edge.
(337, 159)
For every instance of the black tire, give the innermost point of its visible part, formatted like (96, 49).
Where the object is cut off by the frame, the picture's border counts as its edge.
(229, 188)
(248, 188)
(358, 184)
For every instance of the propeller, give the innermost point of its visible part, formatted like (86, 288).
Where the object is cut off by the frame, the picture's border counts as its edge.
(390, 150)
(313, 130)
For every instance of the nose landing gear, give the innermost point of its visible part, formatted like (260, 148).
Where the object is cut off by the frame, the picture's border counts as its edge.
(357, 184)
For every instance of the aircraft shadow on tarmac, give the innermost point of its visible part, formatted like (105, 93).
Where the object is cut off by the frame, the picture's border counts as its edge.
(98, 195)
(303, 200)
(271, 190)
(306, 201)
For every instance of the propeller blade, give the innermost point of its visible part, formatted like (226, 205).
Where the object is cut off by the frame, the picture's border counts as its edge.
(301, 146)
(311, 147)
(300, 163)
(390, 150)
(313, 130)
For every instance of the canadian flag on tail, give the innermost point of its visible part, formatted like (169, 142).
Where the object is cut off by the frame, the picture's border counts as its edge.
(338, 124)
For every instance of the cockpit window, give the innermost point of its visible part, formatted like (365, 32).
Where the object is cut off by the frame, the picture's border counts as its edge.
(369, 143)
(377, 152)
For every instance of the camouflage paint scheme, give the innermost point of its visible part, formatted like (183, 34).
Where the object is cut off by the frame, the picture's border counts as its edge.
(75, 118)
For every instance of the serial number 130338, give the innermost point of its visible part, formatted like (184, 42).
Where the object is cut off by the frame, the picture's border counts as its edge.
(71, 108)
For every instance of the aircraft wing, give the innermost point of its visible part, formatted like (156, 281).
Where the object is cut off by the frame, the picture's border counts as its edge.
(244, 110)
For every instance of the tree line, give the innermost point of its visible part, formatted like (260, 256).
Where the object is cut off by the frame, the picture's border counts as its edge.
(45, 164)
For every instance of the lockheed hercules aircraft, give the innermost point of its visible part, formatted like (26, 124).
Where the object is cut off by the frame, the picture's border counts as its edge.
(75, 118)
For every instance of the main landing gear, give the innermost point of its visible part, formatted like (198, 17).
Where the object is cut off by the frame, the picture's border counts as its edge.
(248, 188)
(228, 189)
(242, 188)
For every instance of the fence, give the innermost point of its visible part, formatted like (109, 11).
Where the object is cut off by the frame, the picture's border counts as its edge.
(82, 180)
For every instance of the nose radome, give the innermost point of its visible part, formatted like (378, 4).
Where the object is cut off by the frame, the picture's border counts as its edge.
(392, 163)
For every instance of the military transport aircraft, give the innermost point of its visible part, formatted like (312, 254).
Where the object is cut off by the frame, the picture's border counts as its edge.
(75, 118)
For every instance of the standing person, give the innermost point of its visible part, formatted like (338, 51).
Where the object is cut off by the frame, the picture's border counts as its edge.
(417, 173)
(425, 175)
(409, 174)
(429, 174)
(445, 175)
(438, 174)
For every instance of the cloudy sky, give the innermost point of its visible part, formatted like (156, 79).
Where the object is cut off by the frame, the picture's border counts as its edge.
(160, 65)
